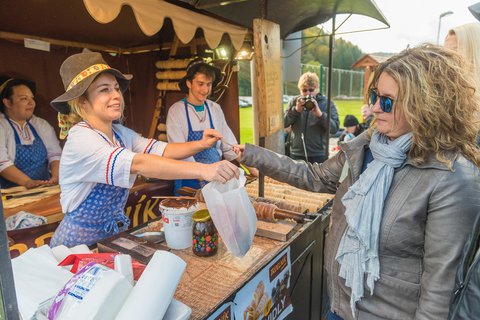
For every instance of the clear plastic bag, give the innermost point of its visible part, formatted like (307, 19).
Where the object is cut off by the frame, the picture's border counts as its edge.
(232, 213)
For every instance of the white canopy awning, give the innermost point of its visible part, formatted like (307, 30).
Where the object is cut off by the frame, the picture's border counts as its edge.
(150, 15)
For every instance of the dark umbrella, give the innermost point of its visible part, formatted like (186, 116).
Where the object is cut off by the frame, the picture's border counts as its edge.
(291, 15)
(475, 10)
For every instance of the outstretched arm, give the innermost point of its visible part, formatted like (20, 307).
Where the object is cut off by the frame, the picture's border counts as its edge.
(186, 149)
(153, 166)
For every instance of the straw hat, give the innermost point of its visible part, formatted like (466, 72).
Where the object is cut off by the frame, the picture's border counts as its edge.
(193, 67)
(78, 72)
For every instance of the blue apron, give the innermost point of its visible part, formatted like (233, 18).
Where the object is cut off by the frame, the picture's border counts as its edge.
(30, 159)
(99, 216)
(209, 155)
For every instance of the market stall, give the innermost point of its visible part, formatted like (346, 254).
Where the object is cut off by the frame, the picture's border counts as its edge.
(36, 36)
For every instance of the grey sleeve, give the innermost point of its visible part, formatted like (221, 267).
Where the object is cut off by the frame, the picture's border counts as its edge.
(334, 121)
(322, 121)
(291, 115)
(313, 177)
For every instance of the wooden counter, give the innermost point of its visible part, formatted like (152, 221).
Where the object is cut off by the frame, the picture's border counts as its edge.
(211, 283)
(140, 208)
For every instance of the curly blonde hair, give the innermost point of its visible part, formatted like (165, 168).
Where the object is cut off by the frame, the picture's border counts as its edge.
(440, 101)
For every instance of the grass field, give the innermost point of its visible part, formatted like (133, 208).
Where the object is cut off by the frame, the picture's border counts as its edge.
(344, 107)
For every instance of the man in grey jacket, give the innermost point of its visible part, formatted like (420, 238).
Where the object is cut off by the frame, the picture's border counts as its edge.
(307, 116)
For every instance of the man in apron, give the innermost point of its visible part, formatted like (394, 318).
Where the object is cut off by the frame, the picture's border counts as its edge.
(189, 117)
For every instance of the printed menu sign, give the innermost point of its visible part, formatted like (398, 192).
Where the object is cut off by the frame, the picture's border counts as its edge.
(223, 313)
(266, 296)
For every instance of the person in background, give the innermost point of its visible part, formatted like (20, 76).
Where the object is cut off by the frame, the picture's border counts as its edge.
(101, 158)
(188, 118)
(465, 40)
(367, 116)
(307, 116)
(406, 196)
(29, 150)
(352, 128)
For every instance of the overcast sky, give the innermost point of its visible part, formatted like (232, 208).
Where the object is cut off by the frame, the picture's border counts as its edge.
(412, 22)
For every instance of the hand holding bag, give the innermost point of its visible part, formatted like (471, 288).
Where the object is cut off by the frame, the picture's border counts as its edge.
(232, 213)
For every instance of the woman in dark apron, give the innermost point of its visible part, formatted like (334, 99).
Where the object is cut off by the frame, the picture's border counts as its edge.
(101, 157)
(30, 150)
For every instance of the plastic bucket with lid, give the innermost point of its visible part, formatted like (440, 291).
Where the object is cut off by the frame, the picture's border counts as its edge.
(177, 222)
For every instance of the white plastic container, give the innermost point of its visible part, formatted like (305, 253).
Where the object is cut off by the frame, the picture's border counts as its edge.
(177, 222)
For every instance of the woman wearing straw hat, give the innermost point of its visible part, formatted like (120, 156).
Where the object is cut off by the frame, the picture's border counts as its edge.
(101, 158)
(188, 118)
(29, 150)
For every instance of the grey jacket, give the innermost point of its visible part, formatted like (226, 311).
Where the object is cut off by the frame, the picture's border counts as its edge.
(427, 215)
(465, 303)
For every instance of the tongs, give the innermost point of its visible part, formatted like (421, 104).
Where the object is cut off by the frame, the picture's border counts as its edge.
(230, 147)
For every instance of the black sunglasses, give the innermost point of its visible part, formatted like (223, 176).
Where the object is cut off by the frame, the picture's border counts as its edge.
(309, 90)
(386, 103)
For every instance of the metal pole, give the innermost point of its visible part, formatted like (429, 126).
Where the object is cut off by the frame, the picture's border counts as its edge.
(329, 86)
(351, 84)
(444, 14)
(438, 31)
(321, 79)
(339, 85)
(261, 176)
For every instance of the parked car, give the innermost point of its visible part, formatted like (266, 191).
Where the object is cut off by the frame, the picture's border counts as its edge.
(286, 98)
(244, 103)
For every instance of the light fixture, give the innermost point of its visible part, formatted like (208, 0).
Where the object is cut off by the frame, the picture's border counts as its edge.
(221, 53)
(245, 52)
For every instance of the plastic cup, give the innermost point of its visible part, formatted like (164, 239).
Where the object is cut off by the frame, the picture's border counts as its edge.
(178, 222)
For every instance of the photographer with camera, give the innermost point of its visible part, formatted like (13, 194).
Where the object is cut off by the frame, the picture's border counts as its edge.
(307, 116)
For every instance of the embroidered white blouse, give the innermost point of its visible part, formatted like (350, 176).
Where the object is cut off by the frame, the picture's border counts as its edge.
(7, 139)
(89, 157)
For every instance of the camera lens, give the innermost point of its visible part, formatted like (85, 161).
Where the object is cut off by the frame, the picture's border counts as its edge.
(309, 105)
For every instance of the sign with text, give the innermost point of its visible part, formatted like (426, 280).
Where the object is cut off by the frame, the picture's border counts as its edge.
(267, 296)
(223, 313)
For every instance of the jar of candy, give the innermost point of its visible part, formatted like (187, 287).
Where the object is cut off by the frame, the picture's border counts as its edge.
(205, 237)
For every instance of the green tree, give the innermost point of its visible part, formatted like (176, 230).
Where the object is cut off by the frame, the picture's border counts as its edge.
(244, 78)
(315, 50)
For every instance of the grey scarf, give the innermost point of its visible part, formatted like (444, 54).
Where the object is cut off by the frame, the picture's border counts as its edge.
(358, 250)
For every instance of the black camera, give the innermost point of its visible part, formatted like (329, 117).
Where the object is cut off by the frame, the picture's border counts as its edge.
(308, 101)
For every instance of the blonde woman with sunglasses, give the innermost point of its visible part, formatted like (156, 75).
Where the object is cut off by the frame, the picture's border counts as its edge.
(407, 191)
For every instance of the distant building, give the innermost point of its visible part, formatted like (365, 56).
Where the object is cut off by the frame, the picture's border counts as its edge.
(291, 64)
(369, 63)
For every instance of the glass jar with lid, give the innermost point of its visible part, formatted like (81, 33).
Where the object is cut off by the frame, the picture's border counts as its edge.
(205, 237)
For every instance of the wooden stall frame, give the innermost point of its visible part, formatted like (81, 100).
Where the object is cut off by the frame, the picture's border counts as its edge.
(8, 299)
